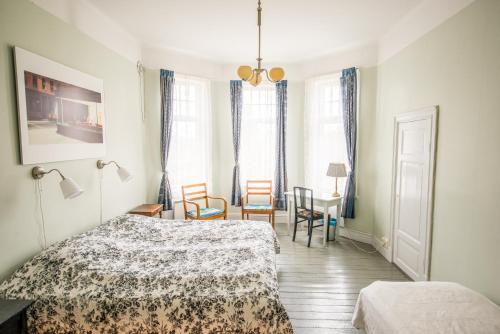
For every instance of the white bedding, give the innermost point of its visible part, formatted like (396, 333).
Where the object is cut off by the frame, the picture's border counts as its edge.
(424, 307)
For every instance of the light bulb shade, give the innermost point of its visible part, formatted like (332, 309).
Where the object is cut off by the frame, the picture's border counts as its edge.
(276, 74)
(336, 170)
(124, 174)
(245, 72)
(256, 80)
(70, 188)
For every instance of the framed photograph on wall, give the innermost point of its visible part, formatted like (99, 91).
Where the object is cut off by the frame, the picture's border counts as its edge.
(61, 111)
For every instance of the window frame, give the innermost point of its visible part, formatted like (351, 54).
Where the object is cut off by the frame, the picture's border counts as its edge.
(206, 105)
(268, 88)
(313, 101)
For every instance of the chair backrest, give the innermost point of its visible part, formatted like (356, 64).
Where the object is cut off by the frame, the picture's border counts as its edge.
(302, 197)
(260, 188)
(194, 192)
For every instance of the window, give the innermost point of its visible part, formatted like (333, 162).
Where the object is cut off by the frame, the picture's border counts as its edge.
(324, 133)
(258, 132)
(190, 144)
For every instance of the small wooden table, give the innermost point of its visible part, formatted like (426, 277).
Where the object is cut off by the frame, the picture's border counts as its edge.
(149, 210)
(324, 200)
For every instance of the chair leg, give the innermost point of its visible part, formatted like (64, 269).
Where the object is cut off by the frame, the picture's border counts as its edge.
(242, 215)
(310, 224)
(327, 228)
(273, 220)
(294, 228)
(334, 232)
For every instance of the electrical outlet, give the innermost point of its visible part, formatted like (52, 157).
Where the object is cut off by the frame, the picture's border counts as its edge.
(385, 242)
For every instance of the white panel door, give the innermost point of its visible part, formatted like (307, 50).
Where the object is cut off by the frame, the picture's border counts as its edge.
(413, 195)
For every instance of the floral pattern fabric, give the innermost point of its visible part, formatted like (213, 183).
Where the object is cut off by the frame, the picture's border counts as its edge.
(137, 274)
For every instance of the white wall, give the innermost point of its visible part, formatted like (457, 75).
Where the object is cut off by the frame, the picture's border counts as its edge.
(456, 66)
(27, 26)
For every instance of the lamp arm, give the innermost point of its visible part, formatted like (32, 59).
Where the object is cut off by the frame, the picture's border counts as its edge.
(38, 172)
(268, 77)
(56, 170)
(101, 164)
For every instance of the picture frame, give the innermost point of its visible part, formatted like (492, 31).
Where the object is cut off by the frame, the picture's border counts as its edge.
(60, 110)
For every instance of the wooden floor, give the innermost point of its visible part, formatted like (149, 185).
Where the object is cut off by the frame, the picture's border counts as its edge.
(319, 286)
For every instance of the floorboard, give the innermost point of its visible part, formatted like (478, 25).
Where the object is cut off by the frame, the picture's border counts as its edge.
(319, 286)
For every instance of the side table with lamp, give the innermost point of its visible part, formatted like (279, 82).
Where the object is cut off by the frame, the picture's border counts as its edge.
(335, 170)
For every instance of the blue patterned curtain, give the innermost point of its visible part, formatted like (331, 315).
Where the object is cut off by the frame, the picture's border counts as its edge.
(167, 92)
(280, 176)
(236, 108)
(349, 87)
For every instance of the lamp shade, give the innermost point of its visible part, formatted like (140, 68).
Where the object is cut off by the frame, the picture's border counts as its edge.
(124, 174)
(336, 170)
(70, 188)
(245, 72)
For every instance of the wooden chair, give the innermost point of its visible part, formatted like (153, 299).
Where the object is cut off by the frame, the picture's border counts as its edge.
(196, 192)
(304, 212)
(258, 188)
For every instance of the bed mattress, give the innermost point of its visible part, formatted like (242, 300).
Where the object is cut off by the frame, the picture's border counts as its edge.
(136, 274)
(424, 308)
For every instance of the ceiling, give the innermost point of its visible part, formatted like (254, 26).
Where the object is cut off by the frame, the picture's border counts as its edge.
(225, 30)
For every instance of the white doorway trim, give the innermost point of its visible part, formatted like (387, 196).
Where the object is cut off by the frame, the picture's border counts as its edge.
(425, 113)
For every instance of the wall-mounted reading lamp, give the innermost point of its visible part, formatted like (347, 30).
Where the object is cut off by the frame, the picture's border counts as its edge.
(122, 172)
(69, 188)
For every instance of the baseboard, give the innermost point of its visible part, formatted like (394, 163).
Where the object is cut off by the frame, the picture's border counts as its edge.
(355, 235)
(379, 246)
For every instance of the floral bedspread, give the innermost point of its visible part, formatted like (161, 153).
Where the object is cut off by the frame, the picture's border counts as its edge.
(135, 274)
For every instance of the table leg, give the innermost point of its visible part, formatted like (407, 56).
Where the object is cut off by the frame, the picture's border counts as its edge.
(339, 213)
(326, 224)
(289, 214)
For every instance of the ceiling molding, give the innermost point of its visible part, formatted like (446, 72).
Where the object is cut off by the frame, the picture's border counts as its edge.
(156, 58)
(421, 20)
(91, 21)
(95, 24)
(360, 56)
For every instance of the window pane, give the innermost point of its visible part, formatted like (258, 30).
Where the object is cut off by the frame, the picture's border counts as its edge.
(258, 132)
(324, 133)
(189, 150)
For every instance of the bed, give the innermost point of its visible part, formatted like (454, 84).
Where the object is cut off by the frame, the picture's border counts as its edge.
(136, 274)
(424, 308)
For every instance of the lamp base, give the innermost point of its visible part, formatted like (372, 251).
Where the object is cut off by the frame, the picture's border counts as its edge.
(336, 194)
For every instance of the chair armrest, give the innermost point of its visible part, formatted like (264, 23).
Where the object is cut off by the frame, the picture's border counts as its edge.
(221, 199)
(196, 205)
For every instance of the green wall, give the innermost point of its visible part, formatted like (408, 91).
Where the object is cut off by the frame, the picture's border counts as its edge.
(457, 67)
(27, 26)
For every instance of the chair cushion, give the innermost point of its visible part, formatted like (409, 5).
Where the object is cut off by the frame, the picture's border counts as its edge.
(258, 207)
(205, 212)
(307, 214)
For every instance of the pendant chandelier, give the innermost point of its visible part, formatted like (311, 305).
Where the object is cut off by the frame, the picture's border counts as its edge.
(254, 75)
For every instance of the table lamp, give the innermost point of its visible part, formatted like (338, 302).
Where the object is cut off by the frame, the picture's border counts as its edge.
(336, 170)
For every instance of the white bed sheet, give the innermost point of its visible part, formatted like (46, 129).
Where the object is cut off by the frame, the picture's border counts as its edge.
(424, 307)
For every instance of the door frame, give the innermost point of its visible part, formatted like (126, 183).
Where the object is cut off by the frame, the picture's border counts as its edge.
(424, 113)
